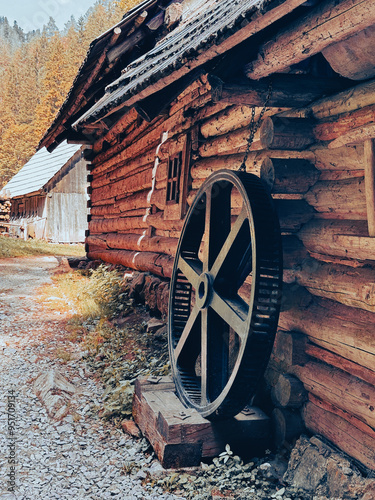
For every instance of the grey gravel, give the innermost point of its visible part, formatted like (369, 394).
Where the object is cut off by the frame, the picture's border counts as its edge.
(78, 457)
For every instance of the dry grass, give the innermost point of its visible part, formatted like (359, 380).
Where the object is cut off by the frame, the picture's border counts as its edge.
(11, 247)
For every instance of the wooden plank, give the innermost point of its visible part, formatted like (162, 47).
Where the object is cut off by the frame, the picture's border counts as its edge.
(370, 184)
(328, 23)
(171, 427)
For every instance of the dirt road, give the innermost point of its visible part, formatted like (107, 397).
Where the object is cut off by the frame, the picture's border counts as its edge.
(54, 446)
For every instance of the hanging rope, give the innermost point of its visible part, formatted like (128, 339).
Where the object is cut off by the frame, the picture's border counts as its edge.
(253, 127)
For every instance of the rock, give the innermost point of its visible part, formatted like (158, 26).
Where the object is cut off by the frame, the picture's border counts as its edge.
(162, 298)
(136, 287)
(45, 387)
(131, 428)
(150, 292)
(154, 325)
(316, 468)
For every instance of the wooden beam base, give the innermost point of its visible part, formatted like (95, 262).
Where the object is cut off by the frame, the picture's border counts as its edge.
(180, 437)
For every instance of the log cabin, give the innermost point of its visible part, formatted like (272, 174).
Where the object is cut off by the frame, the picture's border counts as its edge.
(172, 94)
(48, 196)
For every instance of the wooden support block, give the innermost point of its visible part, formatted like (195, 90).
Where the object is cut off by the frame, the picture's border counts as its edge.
(181, 437)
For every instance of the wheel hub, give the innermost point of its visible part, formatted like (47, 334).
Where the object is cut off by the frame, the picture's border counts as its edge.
(204, 290)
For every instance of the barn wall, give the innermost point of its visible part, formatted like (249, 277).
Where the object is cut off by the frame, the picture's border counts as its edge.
(67, 204)
(325, 349)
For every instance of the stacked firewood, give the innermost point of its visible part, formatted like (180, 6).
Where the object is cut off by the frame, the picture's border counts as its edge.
(4, 213)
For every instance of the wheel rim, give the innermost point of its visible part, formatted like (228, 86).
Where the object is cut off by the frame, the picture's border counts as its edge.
(225, 294)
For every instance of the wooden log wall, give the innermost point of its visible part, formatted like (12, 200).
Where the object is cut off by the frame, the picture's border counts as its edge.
(322, 369)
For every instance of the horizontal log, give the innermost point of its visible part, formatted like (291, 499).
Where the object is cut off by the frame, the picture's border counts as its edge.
(353, 58)
(142, 243)
(127, 119)
(339, 362)
(232, 118)
(132, 201)
(287, 90)
(286, 133)
(97, 241)
(340, 389)
(353, 441)
(348, 239)
(137, 182)
(328, 23)
(339, 197)
(104, 210)
(340, 329)
(152, 262)
(352, 287)
(329, 130)
(231, 143)
(206, 166)
(288, 175)
(101, 226)
(355, 136)
(146, 158)
(357, 97)
(344, 158)
(158, 221)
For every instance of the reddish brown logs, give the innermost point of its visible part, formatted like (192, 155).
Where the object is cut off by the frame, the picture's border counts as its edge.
(327, 131)
(369, 148)
(347, 239)
(232, 143)
(352, 287)
(340, 431)
(340, 389)
(345, 331)
(101, 226)
(206, 166)
(329, 22)
(342, 363)
(159, 264)
(142, 243)
(345, 197)
(285, 133)
(137, 182)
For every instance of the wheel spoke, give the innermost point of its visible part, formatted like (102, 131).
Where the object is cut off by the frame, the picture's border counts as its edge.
(218, 220)
(191, 269)
(233, 311)
(229, 242)
(204, 356)
(186, 332)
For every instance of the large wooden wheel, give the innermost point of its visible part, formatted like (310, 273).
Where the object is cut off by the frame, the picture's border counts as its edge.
(225, 294)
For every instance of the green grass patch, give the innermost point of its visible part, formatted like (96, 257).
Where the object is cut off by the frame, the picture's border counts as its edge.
(11, 247)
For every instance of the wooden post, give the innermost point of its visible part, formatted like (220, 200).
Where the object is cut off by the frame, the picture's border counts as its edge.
(370, 184)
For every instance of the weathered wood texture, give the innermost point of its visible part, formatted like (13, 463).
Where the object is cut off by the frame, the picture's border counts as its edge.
(329, 22)
(336, 426)
(181, 437)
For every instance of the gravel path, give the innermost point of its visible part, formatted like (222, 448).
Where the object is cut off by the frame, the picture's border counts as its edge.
(76, 457)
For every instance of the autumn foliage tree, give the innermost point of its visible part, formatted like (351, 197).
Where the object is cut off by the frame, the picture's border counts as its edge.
(36, 72)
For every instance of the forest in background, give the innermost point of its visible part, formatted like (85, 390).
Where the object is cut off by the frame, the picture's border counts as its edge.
(37, 70)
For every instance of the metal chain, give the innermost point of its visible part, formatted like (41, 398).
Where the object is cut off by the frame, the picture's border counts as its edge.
(253, 127)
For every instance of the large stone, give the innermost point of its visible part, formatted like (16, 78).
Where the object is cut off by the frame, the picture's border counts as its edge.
(54, 391)
(150, 292)
(317, 468)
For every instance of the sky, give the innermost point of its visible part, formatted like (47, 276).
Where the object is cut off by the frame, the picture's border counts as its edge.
(33, 14)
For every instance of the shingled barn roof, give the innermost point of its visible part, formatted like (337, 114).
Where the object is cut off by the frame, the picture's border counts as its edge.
(36, 173)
